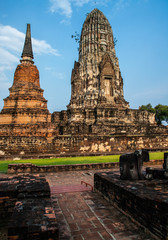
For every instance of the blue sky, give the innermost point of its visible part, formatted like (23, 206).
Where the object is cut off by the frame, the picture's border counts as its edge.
(140, 26)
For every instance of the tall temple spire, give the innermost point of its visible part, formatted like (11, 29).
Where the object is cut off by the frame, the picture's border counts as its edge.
(27, 54)
(25, 103)
(96, 79)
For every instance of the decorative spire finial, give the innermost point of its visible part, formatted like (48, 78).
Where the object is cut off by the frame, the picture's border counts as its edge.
(27, 54)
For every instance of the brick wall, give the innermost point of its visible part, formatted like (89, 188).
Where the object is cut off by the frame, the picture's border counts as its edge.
(31, 168)
(145, 201)
(21, 145)
(26, 209)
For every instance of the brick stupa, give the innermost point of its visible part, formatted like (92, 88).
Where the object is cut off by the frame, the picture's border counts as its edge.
(26, 103)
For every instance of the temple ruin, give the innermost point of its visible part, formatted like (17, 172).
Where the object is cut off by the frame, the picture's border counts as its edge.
(98, 119)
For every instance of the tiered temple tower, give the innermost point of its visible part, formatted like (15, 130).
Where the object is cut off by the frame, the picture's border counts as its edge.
(26, 103)
(96, 78)
(97, 99)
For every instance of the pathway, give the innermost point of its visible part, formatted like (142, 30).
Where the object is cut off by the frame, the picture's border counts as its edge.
(84, 215)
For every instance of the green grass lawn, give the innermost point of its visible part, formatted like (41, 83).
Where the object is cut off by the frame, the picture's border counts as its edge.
(71, 160)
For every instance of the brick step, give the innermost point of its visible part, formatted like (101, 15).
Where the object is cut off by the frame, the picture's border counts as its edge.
(70, 188)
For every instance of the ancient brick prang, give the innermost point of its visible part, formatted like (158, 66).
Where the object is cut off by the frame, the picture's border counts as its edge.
(96, 79)
(97, 98)
(26, 103)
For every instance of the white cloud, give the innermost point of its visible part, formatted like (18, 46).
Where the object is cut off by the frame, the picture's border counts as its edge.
(120, 4)
(57, 75)
(7, 57)
(80, 3)
(61, 5)
(48, 68)
(42, 47)
(66, 21)
(64, 7)
(12, 40)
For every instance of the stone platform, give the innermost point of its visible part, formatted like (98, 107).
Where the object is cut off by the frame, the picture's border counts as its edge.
(143, 200)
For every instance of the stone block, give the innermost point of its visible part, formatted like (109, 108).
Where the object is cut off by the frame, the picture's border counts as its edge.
(131, 165)
(165, 165)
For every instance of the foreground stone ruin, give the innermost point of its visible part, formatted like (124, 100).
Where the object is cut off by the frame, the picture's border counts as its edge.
(131, 165)
(26, 210)
(145, 200)
(98, 119)
(33, 207)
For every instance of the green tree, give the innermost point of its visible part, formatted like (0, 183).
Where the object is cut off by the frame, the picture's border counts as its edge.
(147, 107)
(161, 112)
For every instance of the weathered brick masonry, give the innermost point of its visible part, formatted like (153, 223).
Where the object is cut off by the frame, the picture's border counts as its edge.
(145, 201)
(26, 209)
(98, 118)
(23, 145)
(31, 168)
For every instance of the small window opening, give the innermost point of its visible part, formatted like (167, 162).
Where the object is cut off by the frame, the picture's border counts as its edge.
(90, 128)
(61, 130)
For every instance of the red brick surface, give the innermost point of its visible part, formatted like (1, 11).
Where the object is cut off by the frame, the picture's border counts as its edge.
(86, 215)
(28, 72)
